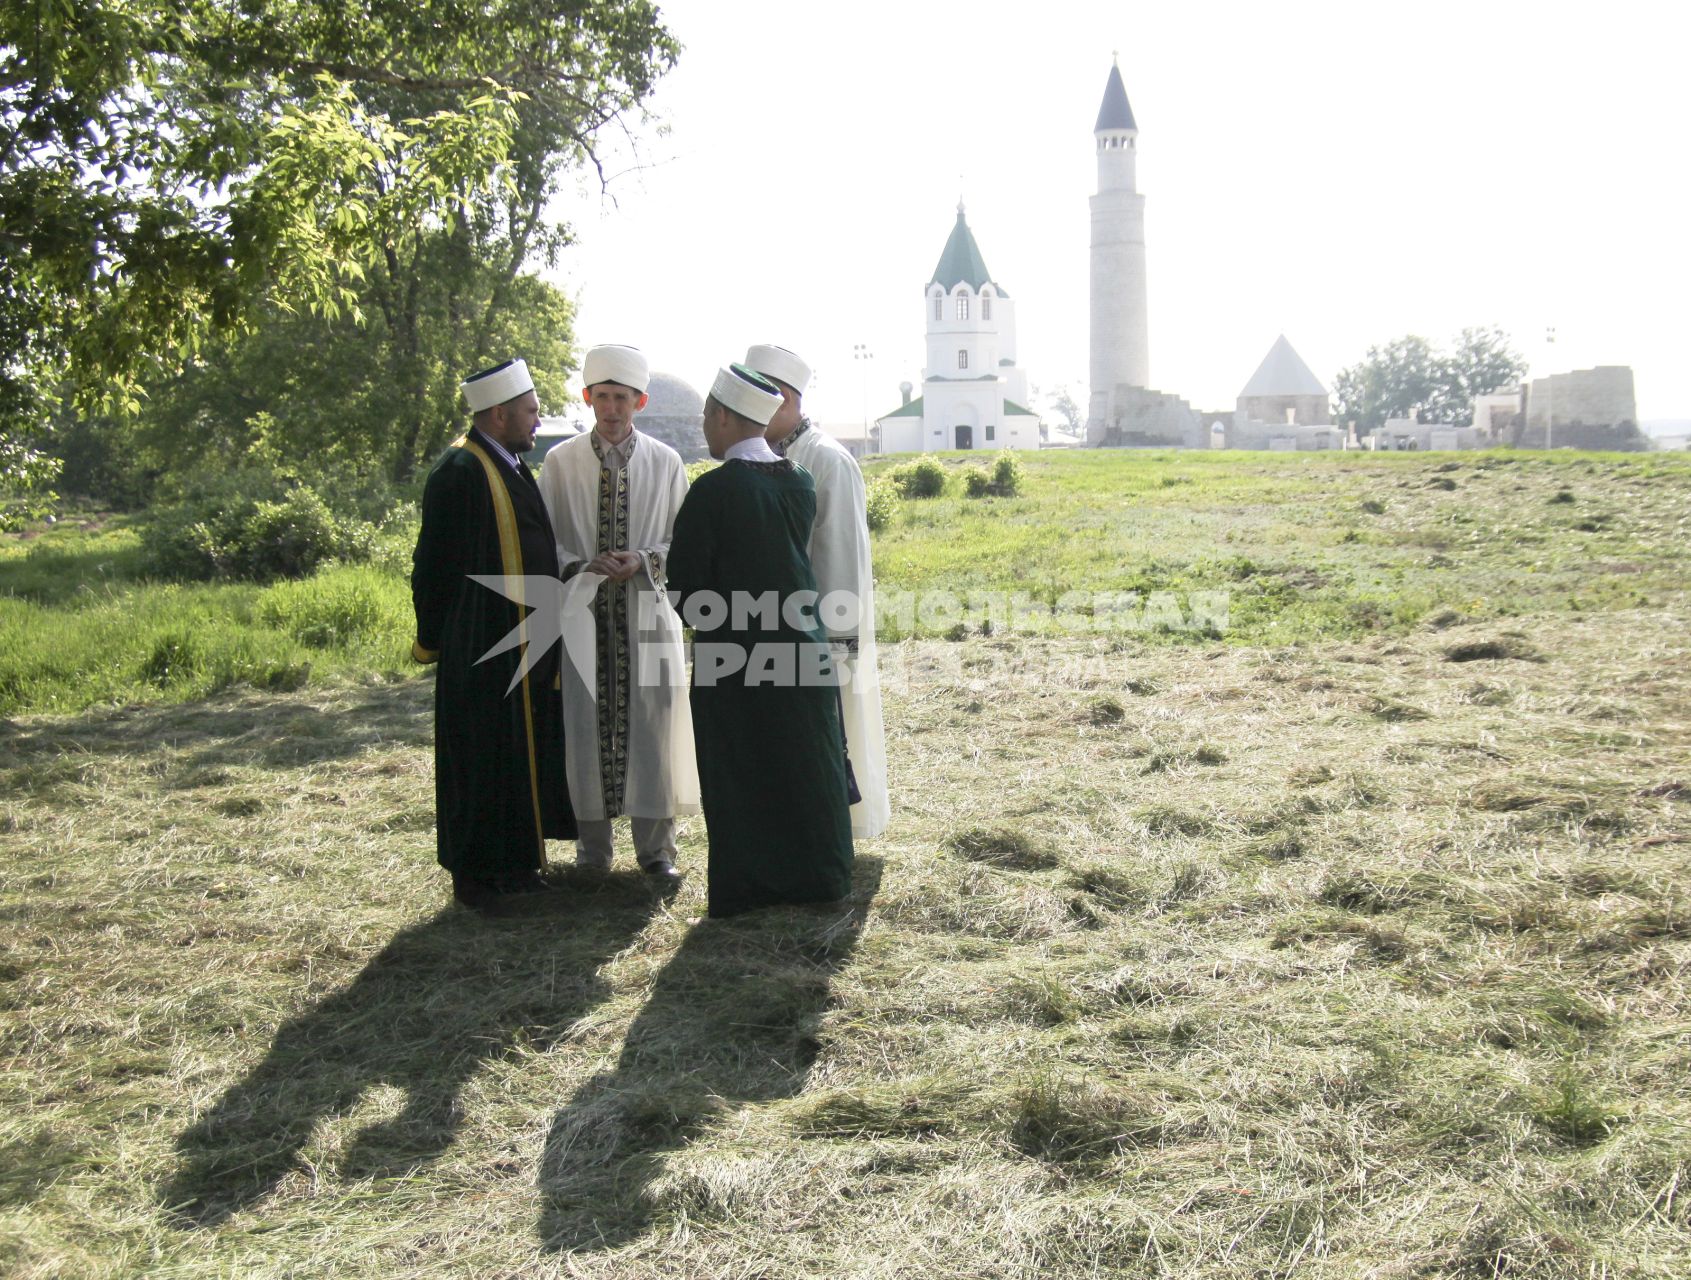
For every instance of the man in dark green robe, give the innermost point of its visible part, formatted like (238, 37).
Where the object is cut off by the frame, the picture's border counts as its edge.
(499, 747)
(766, 715)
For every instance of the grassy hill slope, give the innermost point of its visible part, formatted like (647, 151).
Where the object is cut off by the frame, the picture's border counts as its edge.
(1353, 941)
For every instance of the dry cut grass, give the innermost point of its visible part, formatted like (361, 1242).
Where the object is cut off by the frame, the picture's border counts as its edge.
(1325, 960)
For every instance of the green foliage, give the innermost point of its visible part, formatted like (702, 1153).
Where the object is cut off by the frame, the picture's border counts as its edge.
(219, 657)
(102, 459)
(1410, 378)
(1005, 480)
(880, 503)
(159, 642)
(130, 641)
(170, 168)
(697, 469)
(77, 615)
(343, 610)
(70, 559)
(26, 479)
(923, 478)
(256, 525)
(1102, 521)
(305, 387)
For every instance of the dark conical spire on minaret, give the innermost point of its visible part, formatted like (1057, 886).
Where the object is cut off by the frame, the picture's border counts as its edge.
(1115, 113)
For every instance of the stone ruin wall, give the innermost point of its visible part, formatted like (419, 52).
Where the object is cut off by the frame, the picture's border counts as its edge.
(1147, 419)
(1309, 411)
(1593, 408)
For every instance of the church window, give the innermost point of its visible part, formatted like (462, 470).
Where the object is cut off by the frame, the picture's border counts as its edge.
(962, 359)
(991, 432)
(962, 306)
(937, 305)
(986, 306)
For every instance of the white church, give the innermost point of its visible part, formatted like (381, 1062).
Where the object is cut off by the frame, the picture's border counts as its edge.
(973, 395)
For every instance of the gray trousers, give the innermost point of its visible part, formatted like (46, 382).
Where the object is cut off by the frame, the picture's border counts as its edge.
(654, 841)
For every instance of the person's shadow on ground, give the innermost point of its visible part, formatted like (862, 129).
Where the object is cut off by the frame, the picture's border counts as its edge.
(732, 1019)
(442, 998)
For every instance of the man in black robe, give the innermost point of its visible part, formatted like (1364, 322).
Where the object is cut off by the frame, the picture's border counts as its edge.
(499, 746)
(766, 713)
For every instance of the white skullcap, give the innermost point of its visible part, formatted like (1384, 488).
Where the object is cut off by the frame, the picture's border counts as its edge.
(747, 392)
(497, 385)
(781, 364)
(611, 363)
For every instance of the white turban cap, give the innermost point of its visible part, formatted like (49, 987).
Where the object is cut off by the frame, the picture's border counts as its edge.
(611, 363)
(781, 364)
(747, 392)
(497, 385)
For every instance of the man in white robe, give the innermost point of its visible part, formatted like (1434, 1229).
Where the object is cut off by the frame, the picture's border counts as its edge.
(839, 554)
(612, 494)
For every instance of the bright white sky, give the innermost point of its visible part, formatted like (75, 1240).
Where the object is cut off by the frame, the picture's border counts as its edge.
(1344, 173)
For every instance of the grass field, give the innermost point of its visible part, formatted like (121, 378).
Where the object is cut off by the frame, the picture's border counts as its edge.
(1352, 942)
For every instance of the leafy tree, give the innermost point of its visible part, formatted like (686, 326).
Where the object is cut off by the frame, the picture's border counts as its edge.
(1060, 401)
(1410, 378)
(1482, 362)
(171, 168)
(1398, 380)
(26, 476)
(321, 391)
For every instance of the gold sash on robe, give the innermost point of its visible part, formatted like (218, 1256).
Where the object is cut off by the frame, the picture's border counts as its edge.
(511, 555)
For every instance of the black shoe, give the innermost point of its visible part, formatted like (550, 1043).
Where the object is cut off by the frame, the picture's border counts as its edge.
(663, 872)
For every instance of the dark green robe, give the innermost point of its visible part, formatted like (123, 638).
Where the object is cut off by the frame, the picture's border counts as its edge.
(771, 768)
(499, 758)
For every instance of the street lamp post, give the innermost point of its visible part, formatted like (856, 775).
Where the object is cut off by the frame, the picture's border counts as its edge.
(860, 351)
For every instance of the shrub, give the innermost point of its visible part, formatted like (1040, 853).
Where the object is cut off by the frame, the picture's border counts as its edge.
(923, 478)
(1007, 474)
(256, 524)
(1005, 480)
(697, 469)
(880, 504)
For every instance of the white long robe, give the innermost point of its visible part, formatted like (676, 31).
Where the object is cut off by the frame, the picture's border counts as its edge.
(839, 555)
(657, 771)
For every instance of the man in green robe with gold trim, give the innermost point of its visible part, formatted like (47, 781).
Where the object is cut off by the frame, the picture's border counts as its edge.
(499, 747)
(766, 712)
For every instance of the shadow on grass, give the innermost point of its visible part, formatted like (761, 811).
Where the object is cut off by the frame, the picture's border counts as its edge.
(732, 1019)
(440, 1001)
(238, 729)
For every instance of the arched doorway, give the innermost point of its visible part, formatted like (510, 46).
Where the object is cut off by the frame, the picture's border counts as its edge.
(965, 437)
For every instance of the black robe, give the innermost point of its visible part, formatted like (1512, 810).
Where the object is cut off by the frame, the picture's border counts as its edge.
(499, 759)
(772, 770)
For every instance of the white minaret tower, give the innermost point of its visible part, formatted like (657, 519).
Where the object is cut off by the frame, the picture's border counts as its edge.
(1119, 349)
